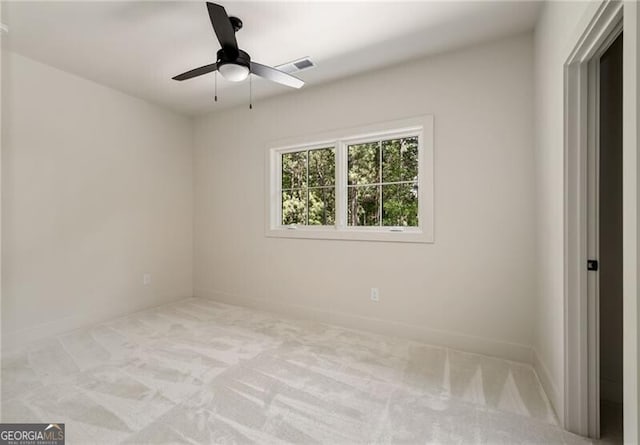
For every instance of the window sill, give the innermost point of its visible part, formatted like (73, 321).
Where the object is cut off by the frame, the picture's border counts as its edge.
(360, 234)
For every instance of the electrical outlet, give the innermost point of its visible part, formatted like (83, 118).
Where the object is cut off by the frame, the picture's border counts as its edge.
(146, 279)
(375, 294)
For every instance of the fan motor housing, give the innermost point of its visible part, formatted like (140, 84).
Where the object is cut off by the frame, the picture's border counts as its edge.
(243, 58)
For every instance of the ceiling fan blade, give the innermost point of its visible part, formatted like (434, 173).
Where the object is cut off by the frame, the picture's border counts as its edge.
(197, 72)
(224, 29)
(275, 75)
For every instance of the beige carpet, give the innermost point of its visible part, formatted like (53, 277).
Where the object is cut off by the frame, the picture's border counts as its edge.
(202, 372)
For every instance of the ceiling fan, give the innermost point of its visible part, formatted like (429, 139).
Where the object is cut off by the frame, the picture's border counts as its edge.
(233, 63)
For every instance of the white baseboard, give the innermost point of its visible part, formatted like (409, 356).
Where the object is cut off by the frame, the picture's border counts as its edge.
(454, 340)
(549, 386)
(15, 341)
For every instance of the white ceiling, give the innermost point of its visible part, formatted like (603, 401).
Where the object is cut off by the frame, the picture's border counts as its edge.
(136, 47)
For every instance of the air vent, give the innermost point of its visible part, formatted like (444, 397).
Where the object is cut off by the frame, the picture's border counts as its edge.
(304, 63)
(297, 65)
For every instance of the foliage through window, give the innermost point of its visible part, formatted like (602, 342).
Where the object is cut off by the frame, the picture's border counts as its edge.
(308, 187)
(383, 183)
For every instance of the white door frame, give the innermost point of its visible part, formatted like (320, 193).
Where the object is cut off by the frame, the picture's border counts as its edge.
(581, 413)
(631, 221)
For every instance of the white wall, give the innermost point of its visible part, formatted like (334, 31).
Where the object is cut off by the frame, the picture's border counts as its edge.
(96, 190)
(554, 31)
(474, 288)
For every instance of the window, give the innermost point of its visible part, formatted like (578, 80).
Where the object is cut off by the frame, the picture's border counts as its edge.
(371, 183)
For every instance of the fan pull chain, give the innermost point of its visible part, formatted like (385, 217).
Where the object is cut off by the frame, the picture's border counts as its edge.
(250, 93)
(216, 87)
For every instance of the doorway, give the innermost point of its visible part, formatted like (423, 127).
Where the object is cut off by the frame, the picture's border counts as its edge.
(590, 68)
(609, 239)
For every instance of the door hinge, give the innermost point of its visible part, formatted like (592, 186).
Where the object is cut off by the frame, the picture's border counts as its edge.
(592, 265)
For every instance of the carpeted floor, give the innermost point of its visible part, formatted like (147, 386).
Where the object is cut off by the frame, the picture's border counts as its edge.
(202, 372)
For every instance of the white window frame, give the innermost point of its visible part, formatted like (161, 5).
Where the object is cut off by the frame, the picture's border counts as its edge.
(421, 126)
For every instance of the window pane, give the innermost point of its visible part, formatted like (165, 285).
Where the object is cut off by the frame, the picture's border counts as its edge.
(364, 163)
(322, 206)
(294, 207)
(400, 160)
(400, 204)
(294, 170)
(391, 161)
(322, 167)
(409, 152)
(363, 206)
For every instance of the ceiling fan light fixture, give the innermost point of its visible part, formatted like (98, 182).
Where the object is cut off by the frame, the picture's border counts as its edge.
(233, 63)
(234, 72)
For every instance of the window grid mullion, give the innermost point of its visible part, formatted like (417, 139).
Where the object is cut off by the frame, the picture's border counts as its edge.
(341, 180)
(383, 183)
(307, 197)
(380, 186)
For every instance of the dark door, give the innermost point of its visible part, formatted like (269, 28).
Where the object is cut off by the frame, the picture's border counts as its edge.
(610, 234)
